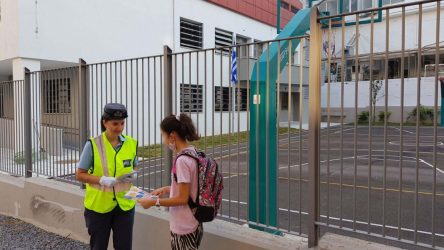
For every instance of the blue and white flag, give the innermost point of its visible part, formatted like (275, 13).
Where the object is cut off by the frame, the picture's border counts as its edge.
(233, 67)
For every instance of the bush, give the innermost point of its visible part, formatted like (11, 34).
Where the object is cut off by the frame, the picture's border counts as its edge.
(19, 158)
(382, 114)
(426, 115)
(363, 117)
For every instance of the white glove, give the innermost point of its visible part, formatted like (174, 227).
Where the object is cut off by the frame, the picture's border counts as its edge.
(107, 181)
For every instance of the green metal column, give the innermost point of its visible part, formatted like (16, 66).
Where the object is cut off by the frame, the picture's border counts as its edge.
(263, 207)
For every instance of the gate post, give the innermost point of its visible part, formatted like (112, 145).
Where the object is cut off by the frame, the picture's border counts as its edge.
(263, 210)
(27, 124)
(168, 100)
(83, 107)
(83, 103)
(314, 126)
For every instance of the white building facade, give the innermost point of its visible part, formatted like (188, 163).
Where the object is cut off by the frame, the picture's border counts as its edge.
(411, 72)
(43, 35)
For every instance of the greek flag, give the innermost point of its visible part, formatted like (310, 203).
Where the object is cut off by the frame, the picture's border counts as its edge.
(233, 67)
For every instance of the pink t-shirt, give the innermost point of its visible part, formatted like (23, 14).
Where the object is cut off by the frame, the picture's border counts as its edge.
(182, 220)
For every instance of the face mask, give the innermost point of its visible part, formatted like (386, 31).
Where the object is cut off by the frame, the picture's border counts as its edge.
(172, 146)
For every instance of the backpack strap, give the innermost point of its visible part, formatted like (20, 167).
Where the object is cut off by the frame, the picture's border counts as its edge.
(188, 153)
(195, 155)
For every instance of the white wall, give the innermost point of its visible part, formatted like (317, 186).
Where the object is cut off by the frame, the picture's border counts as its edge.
(213, 16)
(105, 30)
(9, 34)
(427, 97)
(395, 30)
(102, 30)
(99, 30)
(395, 44)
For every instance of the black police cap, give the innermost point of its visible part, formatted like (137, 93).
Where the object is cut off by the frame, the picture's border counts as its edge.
(115, 111)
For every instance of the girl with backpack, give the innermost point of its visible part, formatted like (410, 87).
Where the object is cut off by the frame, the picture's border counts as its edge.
(186, 230)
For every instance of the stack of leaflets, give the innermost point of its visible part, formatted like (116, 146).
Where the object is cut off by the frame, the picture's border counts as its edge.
(136, 193)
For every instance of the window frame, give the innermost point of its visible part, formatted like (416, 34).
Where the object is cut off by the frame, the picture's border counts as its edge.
(189, 106)
(200, 36)
(243, 53)
(285, 5)
(243, 92)
(53, 104)
(225, 99)
(218, 32)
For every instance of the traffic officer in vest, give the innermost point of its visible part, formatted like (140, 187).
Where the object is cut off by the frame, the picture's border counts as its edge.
(107, 166)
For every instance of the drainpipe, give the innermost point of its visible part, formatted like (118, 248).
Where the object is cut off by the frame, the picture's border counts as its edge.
(278, 21)
(174, 25)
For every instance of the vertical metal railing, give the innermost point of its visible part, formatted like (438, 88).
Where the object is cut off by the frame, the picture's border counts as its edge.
(84, 103)
(58, 121)
(314, 126)
(225, 129)
(27, 124)
(418, 116)
(12, 150)
(168, 99)
(136, 83)
(435, 122)
(401, 127)
(383, 179)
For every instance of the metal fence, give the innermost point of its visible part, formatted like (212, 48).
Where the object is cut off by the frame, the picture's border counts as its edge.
(55, 122)
(12, 153)
(381, 177)
(66, 105)
(298, 149)
(200, 84)
(222, 110)
(138, 84)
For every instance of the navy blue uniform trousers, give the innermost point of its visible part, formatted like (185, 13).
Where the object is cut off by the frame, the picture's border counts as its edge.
(100, 226)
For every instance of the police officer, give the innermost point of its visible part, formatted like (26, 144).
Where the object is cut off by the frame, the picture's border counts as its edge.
(104, 159)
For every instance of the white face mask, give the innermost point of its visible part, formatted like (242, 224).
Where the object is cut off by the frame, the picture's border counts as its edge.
(172, 146)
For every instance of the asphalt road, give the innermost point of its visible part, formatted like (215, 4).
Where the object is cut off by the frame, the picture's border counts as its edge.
(360, 181)
(349, 165)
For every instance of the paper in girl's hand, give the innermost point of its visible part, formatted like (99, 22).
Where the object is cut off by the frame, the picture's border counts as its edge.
(135, 194)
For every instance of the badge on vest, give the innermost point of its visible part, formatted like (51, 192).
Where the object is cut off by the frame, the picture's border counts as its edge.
(127, 163)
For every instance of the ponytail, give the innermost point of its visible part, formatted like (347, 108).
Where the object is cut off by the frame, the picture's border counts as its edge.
(182, 125)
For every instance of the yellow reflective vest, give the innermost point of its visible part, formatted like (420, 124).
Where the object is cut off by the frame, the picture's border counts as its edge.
(109, 162)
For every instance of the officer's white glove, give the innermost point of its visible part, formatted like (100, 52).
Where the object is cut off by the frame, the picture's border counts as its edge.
(107, 181)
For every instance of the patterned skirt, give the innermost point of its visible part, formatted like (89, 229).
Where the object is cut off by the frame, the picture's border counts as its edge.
(188, 241)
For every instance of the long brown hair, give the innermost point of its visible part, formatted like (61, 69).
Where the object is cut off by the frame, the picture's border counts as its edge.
(182, 125)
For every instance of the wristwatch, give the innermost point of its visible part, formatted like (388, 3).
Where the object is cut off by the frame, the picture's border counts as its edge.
(158, 202)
